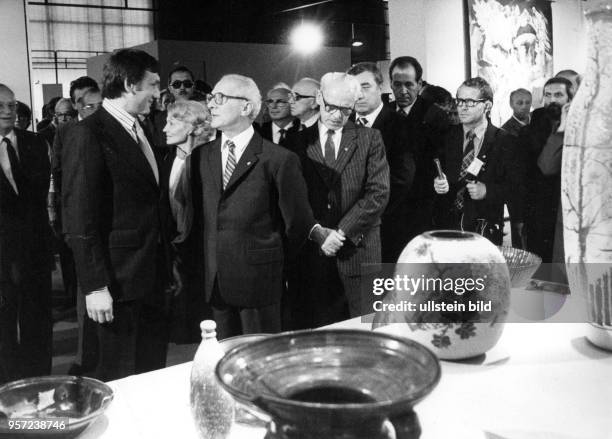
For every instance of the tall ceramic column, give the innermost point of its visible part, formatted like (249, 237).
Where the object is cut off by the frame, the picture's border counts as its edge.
(587, 179)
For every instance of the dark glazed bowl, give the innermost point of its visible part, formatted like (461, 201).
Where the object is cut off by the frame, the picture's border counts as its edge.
(76, 400)
(335, 376)
(521, 264)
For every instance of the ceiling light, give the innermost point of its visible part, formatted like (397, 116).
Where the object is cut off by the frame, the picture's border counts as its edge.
(307, 38)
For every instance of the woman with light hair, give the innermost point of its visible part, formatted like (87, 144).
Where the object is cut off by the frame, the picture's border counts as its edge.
(187, 127)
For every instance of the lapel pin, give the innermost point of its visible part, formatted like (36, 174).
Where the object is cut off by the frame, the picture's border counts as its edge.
(248, 163)
(345, 148)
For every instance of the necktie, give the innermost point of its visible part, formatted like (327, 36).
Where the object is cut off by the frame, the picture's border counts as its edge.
(362, 121)
(230, 165)
(143, 143)
(302, 127)
(468, 158)
(16, 170)
(282, 133)
(330, 153)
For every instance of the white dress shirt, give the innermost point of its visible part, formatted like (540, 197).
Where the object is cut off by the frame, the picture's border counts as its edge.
(337, 138)
(405, 110)
(310, 122)
(370, 118)
(5, 162)
(479, 132)
(241, 141)
(276, 131)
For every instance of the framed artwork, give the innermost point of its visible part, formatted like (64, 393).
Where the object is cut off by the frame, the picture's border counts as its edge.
(510, 45)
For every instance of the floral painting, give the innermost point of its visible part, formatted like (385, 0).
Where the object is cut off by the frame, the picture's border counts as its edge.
(511, 47)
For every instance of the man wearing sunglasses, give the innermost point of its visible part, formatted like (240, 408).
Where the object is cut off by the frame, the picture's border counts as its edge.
(479, 172)
(303, 101)
(282, 123)
(347, 174)
(181, 83)
(255, 210)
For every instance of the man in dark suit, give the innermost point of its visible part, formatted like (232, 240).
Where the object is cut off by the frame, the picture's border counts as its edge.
(399, 147)
(116, 218)
(281, 122)
(253, 203)
(478, 167)
(406, 79)
(520, 102)
(347, 174)
(25, 249)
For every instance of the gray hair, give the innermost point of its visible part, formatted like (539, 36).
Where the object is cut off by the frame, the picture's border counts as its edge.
(63, 101)
(248, 89)
(330, 78)
(194, 113)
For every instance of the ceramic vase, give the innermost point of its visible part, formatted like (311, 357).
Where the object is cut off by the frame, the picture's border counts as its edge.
(454, 257)
(586, 191)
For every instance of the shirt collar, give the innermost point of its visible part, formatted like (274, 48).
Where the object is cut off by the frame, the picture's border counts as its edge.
(118, 113)
(520, 121)
(310, 122)
(11, 136)
(479, 131)
(323, 131)
(241, 140)
(405, 109)
(372, 116)
(276, 128)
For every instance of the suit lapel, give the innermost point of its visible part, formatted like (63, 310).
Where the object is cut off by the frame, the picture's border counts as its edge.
(348, 145)
(488, 142)
(314, 153)
(125, 145)
(247, 161)
(214, 162)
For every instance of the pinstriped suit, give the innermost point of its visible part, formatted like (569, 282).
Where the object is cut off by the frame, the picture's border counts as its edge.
(350, 196)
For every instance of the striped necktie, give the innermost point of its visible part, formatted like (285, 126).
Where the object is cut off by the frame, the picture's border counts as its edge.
(362, 121)
(468, 158)
(230, 165)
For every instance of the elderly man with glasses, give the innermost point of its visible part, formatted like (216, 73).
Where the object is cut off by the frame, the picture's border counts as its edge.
(254, 206)
(303, 101)
(347, 174)
(479, 171)
(282, 123)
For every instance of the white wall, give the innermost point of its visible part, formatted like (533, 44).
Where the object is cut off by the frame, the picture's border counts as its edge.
(432, 31)
(14, 60)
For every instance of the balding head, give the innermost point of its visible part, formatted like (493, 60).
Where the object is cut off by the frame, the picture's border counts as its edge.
(303, 98)
(337, 98)
(64, 111)
(8, 110)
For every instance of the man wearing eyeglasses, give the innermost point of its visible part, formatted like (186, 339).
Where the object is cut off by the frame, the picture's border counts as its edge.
(303, 101)
(254, 203)
(181, 83)
(347, 174)
(25, 249)
(282, 123)
(478, 173)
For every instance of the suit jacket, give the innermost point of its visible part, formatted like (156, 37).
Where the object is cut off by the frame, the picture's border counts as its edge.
(115, 213)
(498, 174)
(512, 126)
(265, 130)
(247, 225)
(352, 195)
(59, 143)
(25, 235)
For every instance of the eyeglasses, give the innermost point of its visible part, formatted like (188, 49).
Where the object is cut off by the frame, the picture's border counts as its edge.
(186, 83)
(297, 97)
(330, 108)
(221, 98)
(470, 103)
(11, 106)
(95, 106)
(276, 102)
(69, 115)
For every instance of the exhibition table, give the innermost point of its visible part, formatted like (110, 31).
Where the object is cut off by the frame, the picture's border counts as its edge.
(542, 380)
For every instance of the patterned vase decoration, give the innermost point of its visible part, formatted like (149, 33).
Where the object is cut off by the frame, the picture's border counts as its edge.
(459, 298)
(586, 189)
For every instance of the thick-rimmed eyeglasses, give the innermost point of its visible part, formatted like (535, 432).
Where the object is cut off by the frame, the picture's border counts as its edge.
(93, 106)
(276, 102)
(177, 84)
(298, 97)
(220, 98)
(470, 103)
(330, 108)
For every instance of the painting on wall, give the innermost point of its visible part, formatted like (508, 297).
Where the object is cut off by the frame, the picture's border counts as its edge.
(511, 47)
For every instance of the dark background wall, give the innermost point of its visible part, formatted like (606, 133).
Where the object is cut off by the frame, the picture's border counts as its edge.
(271, 21)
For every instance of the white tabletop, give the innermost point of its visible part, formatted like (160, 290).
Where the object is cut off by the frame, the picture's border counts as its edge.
(542, 381)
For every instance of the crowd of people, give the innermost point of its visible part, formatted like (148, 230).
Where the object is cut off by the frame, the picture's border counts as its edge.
(167, 207)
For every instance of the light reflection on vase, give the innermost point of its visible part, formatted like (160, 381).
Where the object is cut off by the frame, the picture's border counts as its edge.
(587, 179)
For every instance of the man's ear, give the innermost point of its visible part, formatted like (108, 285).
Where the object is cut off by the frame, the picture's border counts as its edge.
(129, 88)
(247, 109)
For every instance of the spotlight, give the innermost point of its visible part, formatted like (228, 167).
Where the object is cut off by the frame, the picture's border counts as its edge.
(354, 41)
(307, 38)
(357, 44)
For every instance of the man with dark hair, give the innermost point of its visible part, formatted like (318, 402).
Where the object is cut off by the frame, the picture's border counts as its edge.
(78, 87)
(572, 76)
(181, 83)
(542, 143)
(405, 75)
(115, 219)
(25, 249)
(478, 170)
(399, 146)
(24, 116)
(520, 102)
